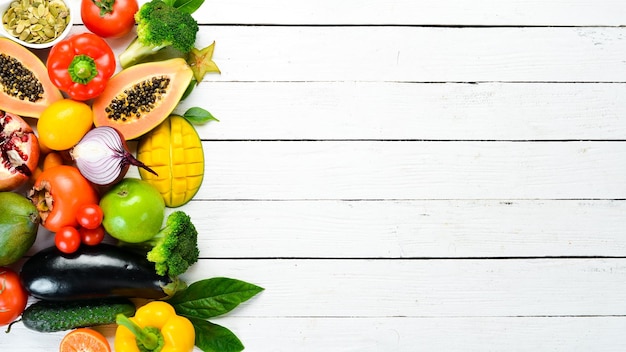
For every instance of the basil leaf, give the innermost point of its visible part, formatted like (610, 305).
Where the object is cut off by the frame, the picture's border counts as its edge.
(169, 2)
(188, 6)
(212, 297)
(198, 116)
(211, 337)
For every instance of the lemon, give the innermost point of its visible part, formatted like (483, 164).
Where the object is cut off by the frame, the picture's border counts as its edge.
(63, 123)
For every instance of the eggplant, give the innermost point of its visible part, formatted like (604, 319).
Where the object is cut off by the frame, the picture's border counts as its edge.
(99, 271)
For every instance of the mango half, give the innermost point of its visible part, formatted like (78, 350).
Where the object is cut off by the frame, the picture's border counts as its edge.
(174, 151)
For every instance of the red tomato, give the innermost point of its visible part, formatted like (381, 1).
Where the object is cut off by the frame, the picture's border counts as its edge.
(13, 296)
(67, 239)
(109, 18)
(89, 216)
(91, 237)
(58, 193)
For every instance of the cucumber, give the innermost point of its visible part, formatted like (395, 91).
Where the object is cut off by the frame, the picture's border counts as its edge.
(49, 316)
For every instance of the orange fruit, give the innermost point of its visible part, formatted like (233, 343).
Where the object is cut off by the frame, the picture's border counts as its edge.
(84, 340)
(52, 159)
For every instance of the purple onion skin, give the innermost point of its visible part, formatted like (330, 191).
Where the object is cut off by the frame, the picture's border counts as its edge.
(111, 169)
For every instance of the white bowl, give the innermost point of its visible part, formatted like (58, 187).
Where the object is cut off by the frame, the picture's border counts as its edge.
(4, 5)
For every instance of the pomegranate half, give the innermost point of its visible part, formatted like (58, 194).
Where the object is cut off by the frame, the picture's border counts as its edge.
(19, 151)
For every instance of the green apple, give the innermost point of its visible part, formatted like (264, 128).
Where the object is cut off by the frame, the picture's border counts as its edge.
(133, 211)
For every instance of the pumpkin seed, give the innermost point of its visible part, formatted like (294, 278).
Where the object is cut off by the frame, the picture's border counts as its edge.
(48, 32)
(36, 21)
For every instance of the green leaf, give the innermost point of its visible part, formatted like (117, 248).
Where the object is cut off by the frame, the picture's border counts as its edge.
(211, 337)
(209, 298)
(190, 88)
(198, 116)
(188, 6)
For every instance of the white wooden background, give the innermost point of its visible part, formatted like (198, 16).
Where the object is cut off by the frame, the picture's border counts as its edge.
(428, 175)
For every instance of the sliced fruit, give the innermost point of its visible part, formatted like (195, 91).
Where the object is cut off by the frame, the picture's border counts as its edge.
(174, 151)
(19, 151)
(84, 339)
(139, 98)
(25, 88)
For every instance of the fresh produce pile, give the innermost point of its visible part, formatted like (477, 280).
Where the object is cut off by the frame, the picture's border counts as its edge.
(64, 128)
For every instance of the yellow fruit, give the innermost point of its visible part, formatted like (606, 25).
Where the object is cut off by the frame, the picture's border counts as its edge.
(63, 123)
(174, 151)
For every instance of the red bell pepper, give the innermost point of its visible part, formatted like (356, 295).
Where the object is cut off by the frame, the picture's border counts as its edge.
(81, 65)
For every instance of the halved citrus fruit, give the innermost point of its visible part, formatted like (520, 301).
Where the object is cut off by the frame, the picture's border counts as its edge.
(84, 340)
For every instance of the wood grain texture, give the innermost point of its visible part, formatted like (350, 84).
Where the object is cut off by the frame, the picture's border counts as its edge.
(413, 170)
(427, 288)
(430, 111)
(410, 229)
(404, 12)
(418, 54)
(420, 12)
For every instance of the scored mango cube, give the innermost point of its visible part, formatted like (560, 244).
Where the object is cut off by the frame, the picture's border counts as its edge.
(174, 151)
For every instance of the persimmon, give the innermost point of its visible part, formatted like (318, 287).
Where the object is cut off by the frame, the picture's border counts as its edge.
(58, 193)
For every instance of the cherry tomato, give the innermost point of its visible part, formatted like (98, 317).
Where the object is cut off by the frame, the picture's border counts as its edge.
(58, 193)
(89, 216)
(109, 18)
(67, 239)
(13, 296)
(91, 237)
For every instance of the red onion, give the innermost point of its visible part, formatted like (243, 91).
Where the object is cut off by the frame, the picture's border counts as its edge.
(102, 156)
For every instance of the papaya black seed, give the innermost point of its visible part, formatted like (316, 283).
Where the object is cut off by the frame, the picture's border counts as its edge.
(18, 81)
(138, 99)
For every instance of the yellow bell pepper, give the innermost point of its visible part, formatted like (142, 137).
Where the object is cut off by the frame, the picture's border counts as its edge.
(154, 328)
(174, 151)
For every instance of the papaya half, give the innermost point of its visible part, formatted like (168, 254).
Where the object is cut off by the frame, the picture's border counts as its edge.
(25, 87)
(139, 98)
(174, 151)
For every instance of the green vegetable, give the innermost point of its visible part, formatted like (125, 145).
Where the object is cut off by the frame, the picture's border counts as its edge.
(174, 248)
(51, 316)
(160, 25)
(209, 298)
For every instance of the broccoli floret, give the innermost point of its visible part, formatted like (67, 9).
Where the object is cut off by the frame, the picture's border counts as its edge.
(174, 248)
(159, 25)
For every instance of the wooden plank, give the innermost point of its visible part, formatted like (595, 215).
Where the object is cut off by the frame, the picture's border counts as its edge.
(431, 334)
(413, 170)
(399, 334)
(404, 229)
(401, 229)
(387, 110)
(404, 12)
(421, 12)
(418, 54)
(427, 288)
